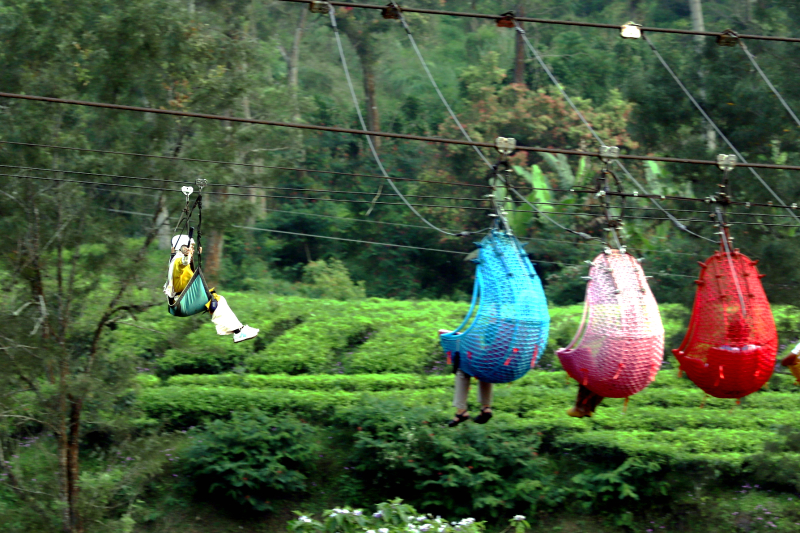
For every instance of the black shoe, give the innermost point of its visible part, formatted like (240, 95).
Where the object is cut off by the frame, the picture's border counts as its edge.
(458, 419)
(484, 417)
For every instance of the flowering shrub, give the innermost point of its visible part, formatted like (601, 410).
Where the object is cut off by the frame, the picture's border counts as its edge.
(390, 517)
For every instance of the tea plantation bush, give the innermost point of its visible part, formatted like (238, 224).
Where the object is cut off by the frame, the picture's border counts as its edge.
(252, 459)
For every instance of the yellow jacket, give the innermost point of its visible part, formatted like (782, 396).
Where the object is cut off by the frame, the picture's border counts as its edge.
(181, 274)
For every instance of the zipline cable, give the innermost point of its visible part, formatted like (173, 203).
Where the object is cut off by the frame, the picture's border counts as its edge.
(711, 122)
(766, 79)
(250, 165)
(550, 21)
(597, 138)
(403, 136)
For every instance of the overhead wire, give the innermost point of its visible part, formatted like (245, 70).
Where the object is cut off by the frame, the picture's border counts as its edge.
(402, 136)
(396, 224)
(250, 165)
(337, 200)
(712, 123)
(550, 21)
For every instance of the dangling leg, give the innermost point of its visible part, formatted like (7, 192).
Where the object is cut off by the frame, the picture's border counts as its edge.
(460, 398)
(585, 404)
(226, 322)
(485, 391)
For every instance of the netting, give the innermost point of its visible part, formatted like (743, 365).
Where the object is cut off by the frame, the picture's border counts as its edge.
(509, 318)
(619, 346)
(730, 348)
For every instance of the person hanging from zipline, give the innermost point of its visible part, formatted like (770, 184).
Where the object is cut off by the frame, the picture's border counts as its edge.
(179, 276)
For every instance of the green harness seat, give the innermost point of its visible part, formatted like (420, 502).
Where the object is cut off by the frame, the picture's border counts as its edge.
(194, 297)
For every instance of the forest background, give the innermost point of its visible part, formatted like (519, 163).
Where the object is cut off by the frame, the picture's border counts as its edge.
(97, 383)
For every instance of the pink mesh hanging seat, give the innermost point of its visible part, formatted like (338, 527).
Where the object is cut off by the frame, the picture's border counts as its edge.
(619, 346)
(730, 348)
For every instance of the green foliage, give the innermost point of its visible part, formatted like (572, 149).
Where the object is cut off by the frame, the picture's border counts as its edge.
(322, 382)
(475, 468)
(252, 459)
(779, 463)
(331, 280)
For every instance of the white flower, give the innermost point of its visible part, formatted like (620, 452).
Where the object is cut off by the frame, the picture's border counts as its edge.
(358, 513)
(421, 518)
(305, 519)
(344, 511)
(442, 528)
(425, 527)
(377, 515)
(383, 530)
(519, 518)
(371, 531)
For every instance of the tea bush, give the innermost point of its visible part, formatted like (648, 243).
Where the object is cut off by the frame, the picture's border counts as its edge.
(252, 459)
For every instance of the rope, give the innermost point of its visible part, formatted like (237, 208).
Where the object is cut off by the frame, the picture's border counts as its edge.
(436, 86)
(566, 97)
(712, 123)
(775, 91)
(369, 138)
(463, 130)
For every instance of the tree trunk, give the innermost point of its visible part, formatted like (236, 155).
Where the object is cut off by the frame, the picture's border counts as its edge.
(698, 24)
(519, 61)
(368, 62)
(164, 229)
(76, 408)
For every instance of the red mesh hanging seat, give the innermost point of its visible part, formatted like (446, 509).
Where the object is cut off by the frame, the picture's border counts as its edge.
(730, 348)
(619, 346)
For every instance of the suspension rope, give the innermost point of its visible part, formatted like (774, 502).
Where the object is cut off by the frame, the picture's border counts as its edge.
(369, 138)
(463, 130)
(597, 138)
(766, 79)
(711, 121)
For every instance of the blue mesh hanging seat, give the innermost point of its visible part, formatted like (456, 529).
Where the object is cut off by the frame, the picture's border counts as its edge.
(506, 328)
(193, 299)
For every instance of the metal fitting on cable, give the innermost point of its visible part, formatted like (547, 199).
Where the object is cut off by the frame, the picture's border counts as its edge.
(506, 20)
(391, 11)
(631, 30)
(319, 7)
(728, 38)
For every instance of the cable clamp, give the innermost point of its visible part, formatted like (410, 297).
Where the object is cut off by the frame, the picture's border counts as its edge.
(794, 206)
(187, 191)
(505, 145)
(728, 38)
(726, 162)
(319, 7)
(600, 194)
(609, 153)
(506, 20)
(201, 182)
(631, 30)
(636, 193)
(391, 11)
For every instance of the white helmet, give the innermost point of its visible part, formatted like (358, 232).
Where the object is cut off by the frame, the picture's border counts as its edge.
(181, 240)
